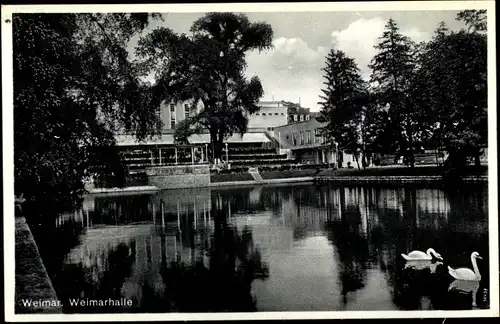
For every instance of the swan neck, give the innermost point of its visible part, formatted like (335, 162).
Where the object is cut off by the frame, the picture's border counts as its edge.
(474, 265)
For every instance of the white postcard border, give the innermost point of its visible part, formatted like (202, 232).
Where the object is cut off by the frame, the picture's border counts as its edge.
(8, 158)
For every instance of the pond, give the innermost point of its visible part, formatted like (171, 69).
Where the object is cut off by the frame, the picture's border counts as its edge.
(269, 248)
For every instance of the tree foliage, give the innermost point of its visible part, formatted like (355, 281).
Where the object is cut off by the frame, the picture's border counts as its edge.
(454, 74)
(428, 95)
(393, 75)
(71, 79)
(208, 67)
(342, 101)
(474, 19)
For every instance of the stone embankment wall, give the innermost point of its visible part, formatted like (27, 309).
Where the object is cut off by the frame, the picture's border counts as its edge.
(34, 292)
(361, 180)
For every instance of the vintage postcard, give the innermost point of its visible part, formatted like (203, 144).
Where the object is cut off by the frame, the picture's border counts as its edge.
(250, 161)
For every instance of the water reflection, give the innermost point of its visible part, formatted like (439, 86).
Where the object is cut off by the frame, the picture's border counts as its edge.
(272, 248)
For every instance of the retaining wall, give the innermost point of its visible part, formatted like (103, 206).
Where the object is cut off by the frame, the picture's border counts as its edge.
(360, 180)
(33, 285)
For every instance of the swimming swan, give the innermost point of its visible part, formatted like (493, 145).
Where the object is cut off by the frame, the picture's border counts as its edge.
(419, 255)
(466, 273)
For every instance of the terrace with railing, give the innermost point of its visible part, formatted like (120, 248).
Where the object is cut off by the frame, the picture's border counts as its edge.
(256, 156)
(140, 158)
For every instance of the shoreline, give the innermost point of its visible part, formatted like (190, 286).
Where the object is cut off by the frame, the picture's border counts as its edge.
(343, 180)
(263, 181)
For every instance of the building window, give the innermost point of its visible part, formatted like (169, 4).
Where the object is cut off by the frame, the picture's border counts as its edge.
(172, 117)
(295, 117)
(308, 137)
(308, 117)
(301, 138)
(257, 114)
(186, 111)
(276, 114)
(158, 115)
(263, 114)
(294, 139)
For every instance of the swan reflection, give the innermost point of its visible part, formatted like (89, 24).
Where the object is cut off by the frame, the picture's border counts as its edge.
(465, 287)
(421, 265)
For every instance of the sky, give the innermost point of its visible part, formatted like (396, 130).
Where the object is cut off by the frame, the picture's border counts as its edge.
(291, 71)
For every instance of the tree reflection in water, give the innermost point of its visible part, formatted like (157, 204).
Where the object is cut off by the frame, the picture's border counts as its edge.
(97, 281)
(225, 285)
(55, 241)
(352, 249)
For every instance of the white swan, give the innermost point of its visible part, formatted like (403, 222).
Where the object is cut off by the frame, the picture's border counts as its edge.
(466, 273)
(419, 255)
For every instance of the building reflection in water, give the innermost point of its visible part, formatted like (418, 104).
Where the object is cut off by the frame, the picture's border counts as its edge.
(273, 248)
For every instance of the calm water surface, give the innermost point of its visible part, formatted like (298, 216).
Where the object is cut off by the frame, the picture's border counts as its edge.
(270, 248)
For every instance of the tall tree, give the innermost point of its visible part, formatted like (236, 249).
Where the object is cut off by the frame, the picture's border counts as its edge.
(393, 69)
(454, 68)
(342, 102)
(208, 66)
(67, 88)
(373, 123)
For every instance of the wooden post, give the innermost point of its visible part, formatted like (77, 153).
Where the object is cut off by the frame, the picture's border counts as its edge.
(206, 151)
(192, 155)
(152, 158)
(159, 152)
(227, 155)
(175, 155)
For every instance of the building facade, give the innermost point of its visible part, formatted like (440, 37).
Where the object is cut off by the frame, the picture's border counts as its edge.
(171, 114)
(161, 149)
(304, 141)
(271, 114)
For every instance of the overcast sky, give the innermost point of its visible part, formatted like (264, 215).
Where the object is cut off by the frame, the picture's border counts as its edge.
(292, 69)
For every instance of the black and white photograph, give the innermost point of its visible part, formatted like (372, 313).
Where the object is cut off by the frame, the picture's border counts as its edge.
(250, 161)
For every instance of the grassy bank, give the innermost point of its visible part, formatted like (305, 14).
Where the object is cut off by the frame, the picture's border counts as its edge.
(288, 174)
(227, 177)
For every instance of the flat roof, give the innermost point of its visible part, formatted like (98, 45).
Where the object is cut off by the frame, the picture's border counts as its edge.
(168, 139)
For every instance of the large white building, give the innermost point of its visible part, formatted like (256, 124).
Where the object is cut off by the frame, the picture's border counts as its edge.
(270, 115)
